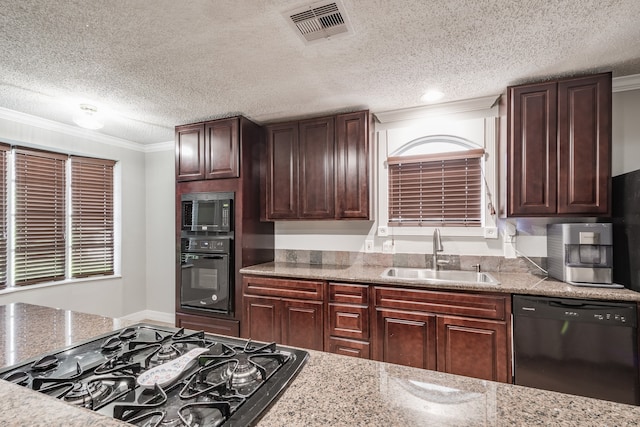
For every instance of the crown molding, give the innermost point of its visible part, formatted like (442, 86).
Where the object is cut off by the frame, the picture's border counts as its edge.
(159, 146)
(28, 119)
(465, 106)
(625, 83)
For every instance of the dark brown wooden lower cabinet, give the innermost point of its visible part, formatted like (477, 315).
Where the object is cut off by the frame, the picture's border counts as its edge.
(349, 347)
(208, 324)
(297, 323)
(405, 338)
(473, 347)
(462, 333)
(302, 324)
(262, 319)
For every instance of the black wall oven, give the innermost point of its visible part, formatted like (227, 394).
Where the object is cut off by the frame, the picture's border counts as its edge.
(207, 273)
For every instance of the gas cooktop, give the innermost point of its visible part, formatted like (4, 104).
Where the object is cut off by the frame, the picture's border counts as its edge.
(154, 376)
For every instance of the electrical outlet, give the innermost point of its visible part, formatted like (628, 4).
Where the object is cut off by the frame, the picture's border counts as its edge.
(388, 247)
(383, 231)
(509, 248)
(368, 246)
(490, 232)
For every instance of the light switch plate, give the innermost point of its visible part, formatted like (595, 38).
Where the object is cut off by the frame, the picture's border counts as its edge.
(383, 231)
(388, 247)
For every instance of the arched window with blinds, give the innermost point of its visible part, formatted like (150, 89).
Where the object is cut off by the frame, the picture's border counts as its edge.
(442, 186)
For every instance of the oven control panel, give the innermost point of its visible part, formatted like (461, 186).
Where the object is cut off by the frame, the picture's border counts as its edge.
(208, 244)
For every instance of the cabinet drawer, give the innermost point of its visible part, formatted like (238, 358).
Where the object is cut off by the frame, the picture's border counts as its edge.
(471, 305)
(349, 321)
(348, 347)
(208, 324)
(286, 288)
(349, 293)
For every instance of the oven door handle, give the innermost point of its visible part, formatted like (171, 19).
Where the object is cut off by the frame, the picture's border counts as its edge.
(213, 257)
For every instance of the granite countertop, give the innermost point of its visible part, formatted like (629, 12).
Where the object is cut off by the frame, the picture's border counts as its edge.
(511, 283)
(31, 330)
(330, 389)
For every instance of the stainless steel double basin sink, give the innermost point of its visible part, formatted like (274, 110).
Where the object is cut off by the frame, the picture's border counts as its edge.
(427, 275)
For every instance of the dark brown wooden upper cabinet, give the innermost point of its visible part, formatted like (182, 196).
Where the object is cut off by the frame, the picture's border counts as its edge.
(316, 163)
(190, 152)
(222, 156)
(533, 143)
(584, 154)
(352, 165)
(558, 148)
(318, 168)
(282, 171)
(208, 150)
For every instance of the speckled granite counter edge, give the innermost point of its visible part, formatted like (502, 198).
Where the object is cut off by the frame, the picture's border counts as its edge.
(510, 283)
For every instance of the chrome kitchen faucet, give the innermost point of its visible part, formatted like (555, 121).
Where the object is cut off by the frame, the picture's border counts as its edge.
(437, 247)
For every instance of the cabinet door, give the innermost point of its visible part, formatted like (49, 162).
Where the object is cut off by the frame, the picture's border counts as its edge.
(316, 144)
(189, 151)
(584, 132)
(262, 319)
(531, 150)
(302, 324)
(405, 338)
(352, 168)
(222, 156)
(474, 348)
(282, 171)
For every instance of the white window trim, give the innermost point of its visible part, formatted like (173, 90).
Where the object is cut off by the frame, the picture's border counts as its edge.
(491, 123)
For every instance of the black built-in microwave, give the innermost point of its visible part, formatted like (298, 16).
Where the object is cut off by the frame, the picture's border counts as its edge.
(207, 212)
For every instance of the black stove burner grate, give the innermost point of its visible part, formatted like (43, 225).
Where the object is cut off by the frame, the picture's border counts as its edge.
(233, 381)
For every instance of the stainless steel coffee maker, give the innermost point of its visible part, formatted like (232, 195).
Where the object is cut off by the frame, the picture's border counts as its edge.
(581, 254)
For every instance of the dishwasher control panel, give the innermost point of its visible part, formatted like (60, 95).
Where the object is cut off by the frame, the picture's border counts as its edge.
(604, 312)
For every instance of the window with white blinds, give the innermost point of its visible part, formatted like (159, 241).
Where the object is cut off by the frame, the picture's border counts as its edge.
(4, 149)
(56, 216)
(40, 217)
(443, 189)
(92, 231)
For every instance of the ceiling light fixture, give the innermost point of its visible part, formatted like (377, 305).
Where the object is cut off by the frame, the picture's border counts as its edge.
(432, 95)
(87, 117)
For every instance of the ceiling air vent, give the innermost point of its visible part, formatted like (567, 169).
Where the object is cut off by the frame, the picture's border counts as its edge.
(318, 21)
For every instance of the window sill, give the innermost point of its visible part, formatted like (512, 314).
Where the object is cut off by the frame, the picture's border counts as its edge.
(444, 231)
(58, 283)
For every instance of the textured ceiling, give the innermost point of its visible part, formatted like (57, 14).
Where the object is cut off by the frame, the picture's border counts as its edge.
(152, 65)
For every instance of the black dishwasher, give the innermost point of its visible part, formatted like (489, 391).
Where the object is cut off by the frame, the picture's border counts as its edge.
(581, 347)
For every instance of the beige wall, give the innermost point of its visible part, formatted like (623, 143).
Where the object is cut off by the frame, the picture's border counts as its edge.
(160, 226)
(626, 131)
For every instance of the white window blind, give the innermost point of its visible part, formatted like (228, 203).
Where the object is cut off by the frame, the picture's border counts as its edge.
(40, 217)
(4, 149)
(442, 189)
(92, 226)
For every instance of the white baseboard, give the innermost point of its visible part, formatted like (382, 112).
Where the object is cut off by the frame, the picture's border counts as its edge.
(158, 316)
